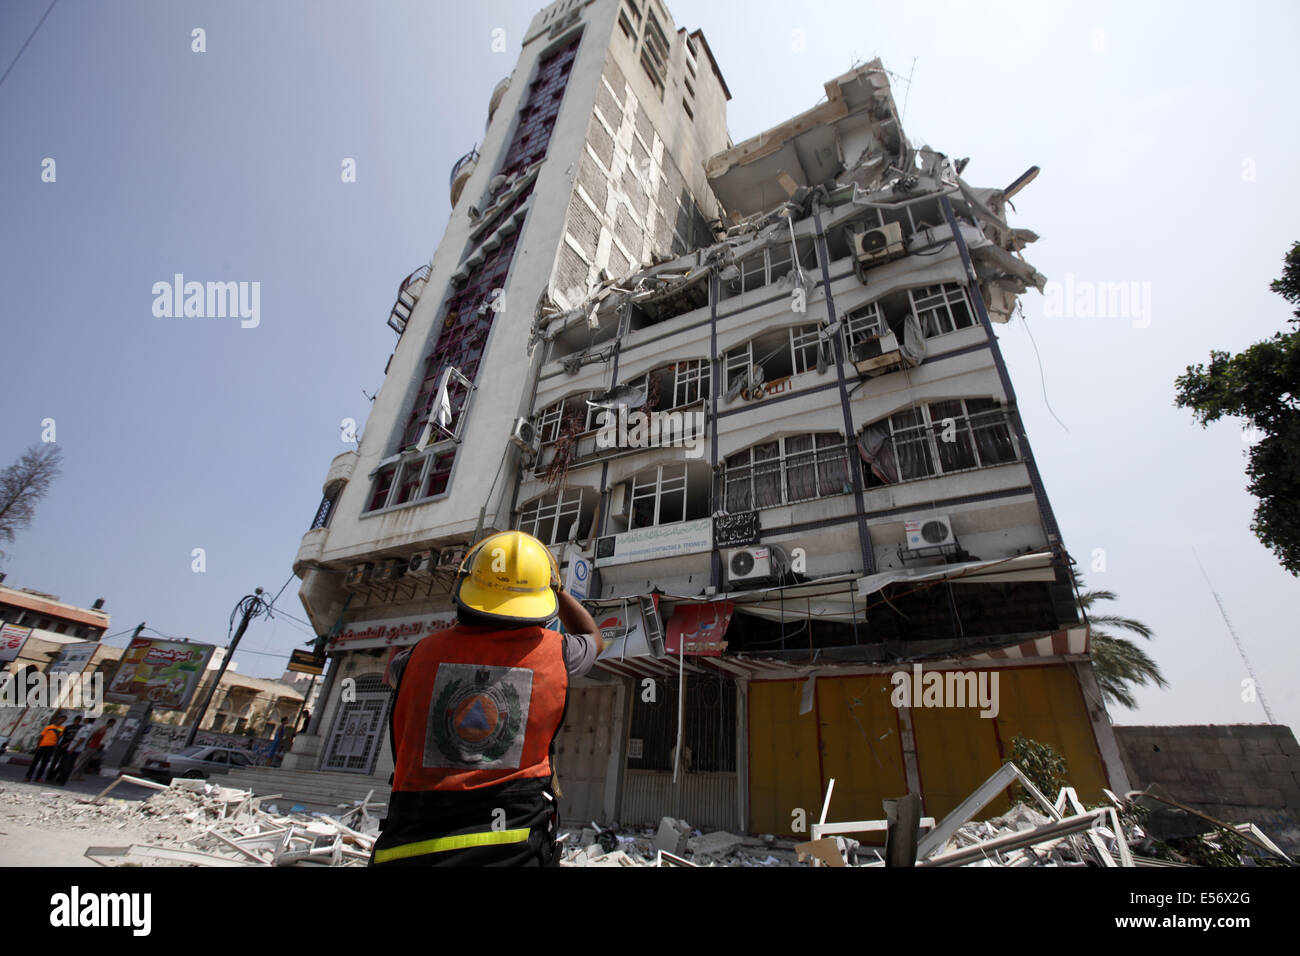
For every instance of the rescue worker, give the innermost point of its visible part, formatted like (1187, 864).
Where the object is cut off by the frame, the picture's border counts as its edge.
(476, 712)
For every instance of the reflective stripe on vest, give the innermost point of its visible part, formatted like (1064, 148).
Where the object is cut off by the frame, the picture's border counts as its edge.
(478, 708)
(459, 842)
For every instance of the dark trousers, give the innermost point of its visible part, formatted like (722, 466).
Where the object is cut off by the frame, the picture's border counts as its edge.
(70, 758)
(416, 817)
(56, 764)
(43, 755)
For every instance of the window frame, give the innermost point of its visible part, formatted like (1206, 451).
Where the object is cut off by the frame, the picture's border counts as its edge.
(939, 300)
(826, 450)
(928, 433)
(863, 324)
(558, 508)
(665, 482)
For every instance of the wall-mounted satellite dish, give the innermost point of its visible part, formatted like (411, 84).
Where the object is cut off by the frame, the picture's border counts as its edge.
(621, 396)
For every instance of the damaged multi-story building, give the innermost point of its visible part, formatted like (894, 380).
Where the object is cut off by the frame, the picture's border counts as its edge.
(752, 397)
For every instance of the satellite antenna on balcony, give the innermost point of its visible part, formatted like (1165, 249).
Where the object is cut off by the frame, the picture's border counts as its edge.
(621, 396)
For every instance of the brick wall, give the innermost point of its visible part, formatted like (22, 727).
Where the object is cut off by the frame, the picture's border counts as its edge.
(1240, 773)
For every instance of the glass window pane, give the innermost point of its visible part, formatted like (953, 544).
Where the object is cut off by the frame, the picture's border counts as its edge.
(767, 484)
(953, 441)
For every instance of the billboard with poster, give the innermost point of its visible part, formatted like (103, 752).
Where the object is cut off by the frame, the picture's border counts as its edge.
(164, 673)
(12, 639)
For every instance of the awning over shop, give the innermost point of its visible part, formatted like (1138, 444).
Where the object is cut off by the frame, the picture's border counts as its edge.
(1035, 566)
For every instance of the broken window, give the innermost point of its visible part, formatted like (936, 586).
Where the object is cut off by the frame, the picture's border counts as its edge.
(409, 484)
(805, 344)
(667, 494)
(677, 299)
(412, 479)
(936, 439)
(573, 415)
(862, 325)
(773, 263)
(383, 483)
(785, 471)
(941, 308)
(778, 354)
(556, 518)
(439, 473)
(675, 385)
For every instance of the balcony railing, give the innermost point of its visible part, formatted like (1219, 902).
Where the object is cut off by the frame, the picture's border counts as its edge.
(407, 296)
(466, 160)
(323, 513)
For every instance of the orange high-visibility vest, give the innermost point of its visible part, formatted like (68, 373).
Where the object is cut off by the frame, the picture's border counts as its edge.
(478, 708)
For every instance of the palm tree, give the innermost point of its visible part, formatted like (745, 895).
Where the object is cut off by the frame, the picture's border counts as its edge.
(1120, 664)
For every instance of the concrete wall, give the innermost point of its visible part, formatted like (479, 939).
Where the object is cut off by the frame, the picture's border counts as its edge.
(1238, 773)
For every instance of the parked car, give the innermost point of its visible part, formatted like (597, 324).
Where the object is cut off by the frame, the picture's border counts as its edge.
(196, 761)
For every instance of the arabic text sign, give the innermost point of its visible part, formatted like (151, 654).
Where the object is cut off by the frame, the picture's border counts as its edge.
(398, 631)
(164, 673)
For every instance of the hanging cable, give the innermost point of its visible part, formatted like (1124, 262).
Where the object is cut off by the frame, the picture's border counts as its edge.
(1041, 377)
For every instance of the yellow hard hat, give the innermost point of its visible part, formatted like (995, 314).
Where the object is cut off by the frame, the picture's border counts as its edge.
(511, 576)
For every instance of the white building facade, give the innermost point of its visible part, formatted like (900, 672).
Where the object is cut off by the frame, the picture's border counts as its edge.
(752, 397)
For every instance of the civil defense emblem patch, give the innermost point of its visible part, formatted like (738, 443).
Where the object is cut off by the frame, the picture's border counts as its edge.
(477, 717)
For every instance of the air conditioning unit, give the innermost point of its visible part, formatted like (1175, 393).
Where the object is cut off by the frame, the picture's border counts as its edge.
(874, 355)
(451, 557)
(389, 570)
(422, 564)
(931, 532)
(525, 435)
(358, 576)
(879, 245)
(620, 500)
(748, 564)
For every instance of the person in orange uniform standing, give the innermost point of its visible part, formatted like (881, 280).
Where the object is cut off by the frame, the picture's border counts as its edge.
(51, 734)
(476, 712)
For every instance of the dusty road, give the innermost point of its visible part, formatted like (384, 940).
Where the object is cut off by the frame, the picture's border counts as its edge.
(43, 825)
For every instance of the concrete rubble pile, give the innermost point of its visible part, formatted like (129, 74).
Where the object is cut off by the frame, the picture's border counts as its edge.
(203, 824)
(674, 843)
(1061, 833)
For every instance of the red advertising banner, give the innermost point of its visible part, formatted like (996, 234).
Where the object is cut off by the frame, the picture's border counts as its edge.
(700, 627)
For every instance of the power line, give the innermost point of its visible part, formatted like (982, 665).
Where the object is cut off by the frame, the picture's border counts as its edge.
(29, 40)
(281, 591)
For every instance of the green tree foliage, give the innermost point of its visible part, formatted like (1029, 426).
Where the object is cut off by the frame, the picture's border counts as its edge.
(1042, 765)
(1262, 385)
(1120, 664)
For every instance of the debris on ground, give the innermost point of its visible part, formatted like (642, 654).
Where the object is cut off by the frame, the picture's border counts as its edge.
(1062, 833)
(196, 823)
(671, 844)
